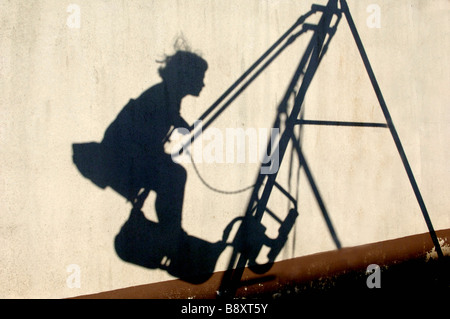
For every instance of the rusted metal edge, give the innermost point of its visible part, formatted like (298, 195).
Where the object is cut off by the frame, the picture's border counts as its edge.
(292, 271)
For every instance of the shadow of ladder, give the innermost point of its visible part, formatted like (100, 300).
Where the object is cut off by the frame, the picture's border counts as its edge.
(250, 236)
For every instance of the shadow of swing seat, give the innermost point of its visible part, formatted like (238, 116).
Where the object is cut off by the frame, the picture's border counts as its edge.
(146, 243)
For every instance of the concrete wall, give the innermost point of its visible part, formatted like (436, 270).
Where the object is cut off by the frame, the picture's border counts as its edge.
(63, 83)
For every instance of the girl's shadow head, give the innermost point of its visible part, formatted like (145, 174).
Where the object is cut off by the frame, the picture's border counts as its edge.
(183, 73)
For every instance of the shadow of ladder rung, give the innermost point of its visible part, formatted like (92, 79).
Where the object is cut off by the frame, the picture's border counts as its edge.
(286, 225)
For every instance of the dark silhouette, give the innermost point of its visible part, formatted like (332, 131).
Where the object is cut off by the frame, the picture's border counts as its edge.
(131, 160)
